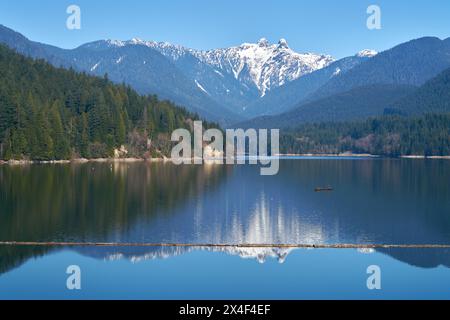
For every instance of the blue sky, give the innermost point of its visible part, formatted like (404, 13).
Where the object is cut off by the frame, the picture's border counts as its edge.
(323, 26)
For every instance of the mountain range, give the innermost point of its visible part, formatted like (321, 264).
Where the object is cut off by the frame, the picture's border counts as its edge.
(255, 84)
(217, 84)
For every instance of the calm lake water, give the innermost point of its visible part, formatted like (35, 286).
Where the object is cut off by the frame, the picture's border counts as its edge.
(375, 201)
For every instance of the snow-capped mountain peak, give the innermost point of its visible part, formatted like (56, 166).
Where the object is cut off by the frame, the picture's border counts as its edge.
(283, 44)
(115, 43)
(263, 65)
(367, 53)
(263, 42)
(137, 41)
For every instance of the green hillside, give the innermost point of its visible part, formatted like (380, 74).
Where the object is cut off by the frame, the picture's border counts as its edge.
(53, 114)
(356, 104)
(427, 135)
(433, 96)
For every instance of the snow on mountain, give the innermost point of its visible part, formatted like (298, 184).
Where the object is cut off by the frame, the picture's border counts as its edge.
(201, 87)
(262, 65)
(95, 66)
(367, 53)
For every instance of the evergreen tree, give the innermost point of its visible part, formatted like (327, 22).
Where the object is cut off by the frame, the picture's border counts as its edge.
(43, 150)
(58, 135)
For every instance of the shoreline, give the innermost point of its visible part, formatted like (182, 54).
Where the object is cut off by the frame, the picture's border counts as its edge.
(425, 157)
(81, 161)
(135, 160)
(331, 155)
(364, 155)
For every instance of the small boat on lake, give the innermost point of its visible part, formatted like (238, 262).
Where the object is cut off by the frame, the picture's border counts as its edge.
(324, 189)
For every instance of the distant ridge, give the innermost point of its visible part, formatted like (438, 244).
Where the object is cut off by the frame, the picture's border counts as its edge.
(370, 87)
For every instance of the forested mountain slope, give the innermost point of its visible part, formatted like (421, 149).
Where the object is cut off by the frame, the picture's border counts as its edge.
(358, 103)
(433, 96)
(50, 114)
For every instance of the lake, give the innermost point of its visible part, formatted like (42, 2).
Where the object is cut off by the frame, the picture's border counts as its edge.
(375, 201)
